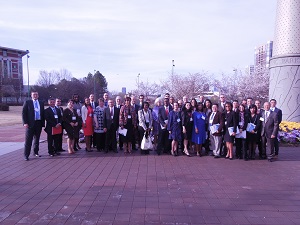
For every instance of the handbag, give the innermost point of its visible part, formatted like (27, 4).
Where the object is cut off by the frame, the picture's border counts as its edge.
(146, 143)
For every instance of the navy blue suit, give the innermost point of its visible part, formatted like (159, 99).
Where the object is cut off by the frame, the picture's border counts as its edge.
(53, 140)
(33, 132)
(163, 135)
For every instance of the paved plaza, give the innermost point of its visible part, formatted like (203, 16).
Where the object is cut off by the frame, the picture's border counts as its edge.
(113, 188)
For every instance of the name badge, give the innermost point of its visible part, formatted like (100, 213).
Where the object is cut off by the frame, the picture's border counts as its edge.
(78, 112)
(91, 115)
(112, 117)
(225, 122)
(241, 123)
(178, 120)
(73, 117)
(203, 117)
(191, 119)
(261, 119)
(56, 116)
(129, 117)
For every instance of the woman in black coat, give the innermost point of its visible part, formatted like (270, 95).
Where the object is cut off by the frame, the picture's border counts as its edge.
(230, 122)
(253, 136)
(241, 147)
(70, 119)
(187, 126)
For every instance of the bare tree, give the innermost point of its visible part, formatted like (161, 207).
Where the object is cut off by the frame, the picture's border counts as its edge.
(47, 78)
(189, 85)
(147, 89)
(65, 74)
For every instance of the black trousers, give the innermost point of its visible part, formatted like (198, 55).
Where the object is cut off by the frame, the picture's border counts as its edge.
(134, 138)
(60, 140)
(100, 140)
(241, 148)
(223, 149)
(276, 146)
(32, 134)
(53, 143)
(164, 143)
(111, 139)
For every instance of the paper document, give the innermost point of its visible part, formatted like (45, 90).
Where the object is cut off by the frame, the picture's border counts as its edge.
(122, 131)
(214, 128)
(241, 135)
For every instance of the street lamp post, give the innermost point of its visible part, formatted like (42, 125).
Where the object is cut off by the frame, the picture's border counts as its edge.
(95, 83)
(173, 65)
(28, 88)
(234, 90)
(138, 76)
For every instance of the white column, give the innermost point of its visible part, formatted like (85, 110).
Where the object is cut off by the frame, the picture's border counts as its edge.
(285, 63)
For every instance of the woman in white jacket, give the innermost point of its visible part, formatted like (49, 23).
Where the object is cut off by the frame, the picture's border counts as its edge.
(145, 124)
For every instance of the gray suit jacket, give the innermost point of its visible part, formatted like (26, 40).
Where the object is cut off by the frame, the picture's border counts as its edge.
(108, 121)
(270, 126)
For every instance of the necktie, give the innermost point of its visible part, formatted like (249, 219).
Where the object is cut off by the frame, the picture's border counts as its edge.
(36, 110)
(111, 113)
(54, 111)
(167, 111)
(267, 115)
(212, 116)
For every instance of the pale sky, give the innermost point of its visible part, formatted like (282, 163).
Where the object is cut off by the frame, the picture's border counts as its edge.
(124, 38)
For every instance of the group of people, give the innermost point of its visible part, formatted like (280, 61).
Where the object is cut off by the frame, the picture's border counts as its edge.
(171, 125)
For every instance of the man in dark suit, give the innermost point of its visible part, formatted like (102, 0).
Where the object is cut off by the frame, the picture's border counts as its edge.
(53, 119)
(249, 103)
(222, 103)
(60, 110)
(119, 105)
(269, 129)
(163, 135)
(105, 97)
(135, 134)
(273, 108)
(216, 117)
(94, 104)
(33, 121)
(141, 101)
(259, 112)
(111, 124)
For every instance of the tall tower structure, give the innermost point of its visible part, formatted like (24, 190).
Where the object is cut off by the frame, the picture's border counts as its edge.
(285, 63)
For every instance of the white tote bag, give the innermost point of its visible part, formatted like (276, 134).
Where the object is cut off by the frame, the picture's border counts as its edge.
(146, 143)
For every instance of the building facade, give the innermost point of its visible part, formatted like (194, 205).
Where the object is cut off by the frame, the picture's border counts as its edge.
(262, 56)
(11, 72)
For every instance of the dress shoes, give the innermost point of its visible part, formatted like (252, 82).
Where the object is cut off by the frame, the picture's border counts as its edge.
(52, 155)
(62, 150)
(217, 156)
(26, 158)
(37, 155)
(57, 153)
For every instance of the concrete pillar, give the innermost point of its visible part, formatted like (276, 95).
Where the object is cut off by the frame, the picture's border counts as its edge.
(285, 63)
